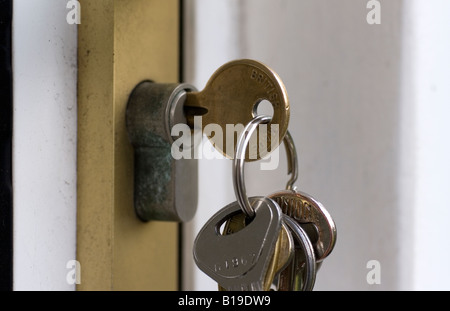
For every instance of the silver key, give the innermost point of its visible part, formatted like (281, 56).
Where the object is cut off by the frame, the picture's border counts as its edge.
(239, 261)
(309, 268)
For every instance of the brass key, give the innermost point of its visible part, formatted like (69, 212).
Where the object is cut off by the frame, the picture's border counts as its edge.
(231, 97)
(282, 255)
(312, 216)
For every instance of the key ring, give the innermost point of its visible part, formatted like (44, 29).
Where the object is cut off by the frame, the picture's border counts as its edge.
(292, 160)
(238, 164)
(242, 198)
(239, 160)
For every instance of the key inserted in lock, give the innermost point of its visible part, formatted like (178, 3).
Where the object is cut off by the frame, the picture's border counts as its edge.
(232, 96)
(165, 187)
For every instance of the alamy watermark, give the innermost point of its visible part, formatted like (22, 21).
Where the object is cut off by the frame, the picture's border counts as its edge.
(73, 276)
(374, 15)
(374, 275)
(189, 144)
(74, 15)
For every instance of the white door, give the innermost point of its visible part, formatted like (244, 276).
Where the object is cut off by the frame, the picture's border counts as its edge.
(44, 144)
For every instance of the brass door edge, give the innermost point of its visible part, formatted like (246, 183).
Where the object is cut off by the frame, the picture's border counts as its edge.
(120, 43)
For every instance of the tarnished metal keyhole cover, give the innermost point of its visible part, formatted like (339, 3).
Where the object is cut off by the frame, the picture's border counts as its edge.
(164, 188)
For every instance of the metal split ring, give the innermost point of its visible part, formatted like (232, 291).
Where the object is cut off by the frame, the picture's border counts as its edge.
(239, 160)
(242, 198)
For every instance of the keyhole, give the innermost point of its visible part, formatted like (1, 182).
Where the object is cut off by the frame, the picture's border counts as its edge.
(263, 108)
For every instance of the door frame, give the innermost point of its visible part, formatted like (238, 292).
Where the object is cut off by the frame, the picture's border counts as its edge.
(120, 43)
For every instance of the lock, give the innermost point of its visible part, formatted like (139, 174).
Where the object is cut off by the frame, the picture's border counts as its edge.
(165, 189)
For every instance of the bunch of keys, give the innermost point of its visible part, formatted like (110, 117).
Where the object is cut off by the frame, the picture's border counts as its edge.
(268, 243)
(276, 242)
